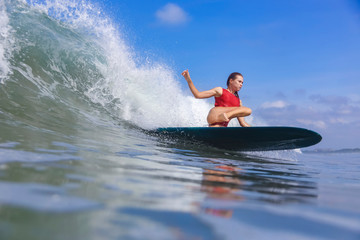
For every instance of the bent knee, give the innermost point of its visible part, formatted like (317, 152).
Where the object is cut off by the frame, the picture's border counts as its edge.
(248, 111)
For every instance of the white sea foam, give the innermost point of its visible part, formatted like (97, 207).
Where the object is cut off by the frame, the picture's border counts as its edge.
(5, 42)
(146, 94)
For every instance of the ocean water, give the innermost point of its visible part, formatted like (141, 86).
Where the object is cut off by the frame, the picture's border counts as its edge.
(75, 163)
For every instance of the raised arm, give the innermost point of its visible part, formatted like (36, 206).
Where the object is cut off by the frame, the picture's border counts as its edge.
(215, 92)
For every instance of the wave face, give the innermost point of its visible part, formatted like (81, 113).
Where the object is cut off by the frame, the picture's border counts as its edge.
(63, 62)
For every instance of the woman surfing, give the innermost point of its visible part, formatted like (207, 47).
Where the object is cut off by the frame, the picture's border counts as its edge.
(227, 102)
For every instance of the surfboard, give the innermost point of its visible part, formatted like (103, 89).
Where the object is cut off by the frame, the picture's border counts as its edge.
(243, 138)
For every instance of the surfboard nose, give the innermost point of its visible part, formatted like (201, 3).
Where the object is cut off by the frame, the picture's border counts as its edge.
(317, 137)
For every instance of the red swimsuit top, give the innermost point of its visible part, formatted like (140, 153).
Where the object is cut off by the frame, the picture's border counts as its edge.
(227, 99)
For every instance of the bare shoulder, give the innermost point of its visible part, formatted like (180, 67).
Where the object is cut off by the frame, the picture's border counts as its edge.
(219, 91)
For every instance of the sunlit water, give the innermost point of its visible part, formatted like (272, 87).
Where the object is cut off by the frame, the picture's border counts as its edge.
(75, 163)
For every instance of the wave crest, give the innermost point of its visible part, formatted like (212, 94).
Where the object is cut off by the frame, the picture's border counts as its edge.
(69, 51)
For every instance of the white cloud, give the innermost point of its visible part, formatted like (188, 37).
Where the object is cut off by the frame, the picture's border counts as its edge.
(316, 123)
(172, 14)
(275, 104)
(335, 117)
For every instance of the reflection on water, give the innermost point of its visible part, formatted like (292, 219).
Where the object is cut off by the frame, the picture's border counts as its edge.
(223, 182)
(232, 183)
(141, 187)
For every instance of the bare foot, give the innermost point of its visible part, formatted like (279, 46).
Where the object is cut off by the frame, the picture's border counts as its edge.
(223, 117)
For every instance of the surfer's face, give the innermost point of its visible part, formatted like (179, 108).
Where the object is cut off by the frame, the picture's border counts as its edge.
(237, 83)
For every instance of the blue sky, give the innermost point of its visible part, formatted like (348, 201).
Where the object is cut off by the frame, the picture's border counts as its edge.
(300, 58)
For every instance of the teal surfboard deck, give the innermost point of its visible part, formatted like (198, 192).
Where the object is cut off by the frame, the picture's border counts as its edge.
(244, 138)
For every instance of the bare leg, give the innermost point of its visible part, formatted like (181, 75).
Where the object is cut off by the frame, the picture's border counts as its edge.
(238, 112)
(223, 117)
(225, 114)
